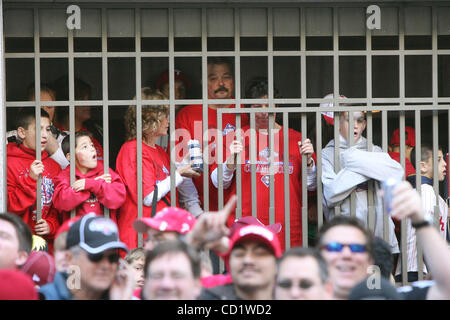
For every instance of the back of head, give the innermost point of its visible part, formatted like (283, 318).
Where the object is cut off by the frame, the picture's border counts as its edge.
(23, 232)
(378, 289)
(45, 87)
(382, 257)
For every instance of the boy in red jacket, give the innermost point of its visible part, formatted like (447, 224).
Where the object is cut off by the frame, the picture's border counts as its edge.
(92, 189)
(24, 171)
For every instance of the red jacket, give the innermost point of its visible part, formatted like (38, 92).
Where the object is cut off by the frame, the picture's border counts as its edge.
(22, 188)
(97, 193)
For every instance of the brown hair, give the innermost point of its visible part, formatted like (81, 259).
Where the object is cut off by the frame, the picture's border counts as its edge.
(151, 114)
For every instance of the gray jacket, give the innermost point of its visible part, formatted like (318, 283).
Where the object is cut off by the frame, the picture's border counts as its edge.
(358, 166)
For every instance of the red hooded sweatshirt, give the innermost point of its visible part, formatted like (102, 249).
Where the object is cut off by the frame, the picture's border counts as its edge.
(22, 188)
(96, 195)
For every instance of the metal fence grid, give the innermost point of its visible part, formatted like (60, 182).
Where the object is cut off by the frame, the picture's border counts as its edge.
(437, 105)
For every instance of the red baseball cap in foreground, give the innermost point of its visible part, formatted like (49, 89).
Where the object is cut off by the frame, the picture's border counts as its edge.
(249, 220)
(167, 219)
(258, 233)
(410, 137)
(16, 285)
(41, 267)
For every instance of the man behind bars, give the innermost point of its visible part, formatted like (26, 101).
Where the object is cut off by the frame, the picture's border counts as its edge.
(358, 166)
(189, 121)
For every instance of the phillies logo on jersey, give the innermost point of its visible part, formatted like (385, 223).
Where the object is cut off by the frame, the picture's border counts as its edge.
(104, 226)
(228, 128)
(265, 154)
(164, 169)
(47, 191)
(266, 180)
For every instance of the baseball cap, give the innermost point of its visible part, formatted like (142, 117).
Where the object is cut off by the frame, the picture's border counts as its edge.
(16, 285)
(329, 115)
(249, 220)
(66, 226)
(256, 232)
(384, 291)
(410, 137)
(94, 234)
(167, 219)
(164, 78)
(40, 266)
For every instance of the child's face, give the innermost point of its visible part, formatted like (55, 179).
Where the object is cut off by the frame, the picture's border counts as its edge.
(137, 266)
(442, 167)
(28, 135)
(359, 125)
(85, 153)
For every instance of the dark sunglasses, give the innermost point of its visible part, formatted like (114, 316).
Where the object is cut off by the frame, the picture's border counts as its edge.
(112, 258)
(337, 247)
(302, 284)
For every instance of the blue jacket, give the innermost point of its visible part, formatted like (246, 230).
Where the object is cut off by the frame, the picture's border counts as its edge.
(57, 290)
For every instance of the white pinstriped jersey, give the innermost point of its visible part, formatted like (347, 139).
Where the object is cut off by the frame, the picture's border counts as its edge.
(428, 204)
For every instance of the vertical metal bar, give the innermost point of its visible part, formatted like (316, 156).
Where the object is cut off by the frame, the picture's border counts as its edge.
(253, 143)
(172, 106)
(219, 158)
(37, 91)
(304, 128)
(401, 28)
(351, 142)
(237, 93)
(418, 146)
(139, 142)
(3, 159)
(272, 169)
(105, 101)
(287, 204)
(205, 121)
(384, 146)
(319, 169)
(72, 128)
(435, 165)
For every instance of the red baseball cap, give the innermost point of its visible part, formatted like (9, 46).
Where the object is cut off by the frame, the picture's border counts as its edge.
(66, 226)
(40, 266)
(16, 285)
(249, 220)
(164, 78)
(410, 137)
(167, 219)
(255, 232)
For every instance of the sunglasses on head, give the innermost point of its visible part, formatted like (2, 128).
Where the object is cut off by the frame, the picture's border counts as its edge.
(337, 247)
(302, 284)
(112, 258)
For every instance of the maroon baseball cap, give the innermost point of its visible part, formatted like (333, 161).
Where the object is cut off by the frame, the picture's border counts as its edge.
(167, 219)
(40, 266)
(248, 220)
(16, 285)
(410, 137)
(258, 233)
(164, 78)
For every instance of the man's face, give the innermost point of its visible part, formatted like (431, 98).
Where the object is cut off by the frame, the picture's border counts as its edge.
(261, 118)
(220, 82)
(155, 236)
(11, 257)
(85, 153)
(359, 125)
(180, 89)
(252, 265)
(96, 276)
(28, 135)
(299, 279)
(137, 266)
(170, 277)
(346, 268)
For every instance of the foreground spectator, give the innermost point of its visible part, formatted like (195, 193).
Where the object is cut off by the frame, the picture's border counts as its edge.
(303, 275)
(40, 266)
(172, 272)
(16, 285)
(94, 244)
(15, 241)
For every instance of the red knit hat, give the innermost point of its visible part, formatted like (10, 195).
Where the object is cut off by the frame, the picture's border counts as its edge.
(40, 266)
(16, 285)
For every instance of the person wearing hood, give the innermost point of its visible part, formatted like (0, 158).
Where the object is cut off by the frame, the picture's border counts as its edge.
(24, 170)
(358, 166)
(93, 189)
